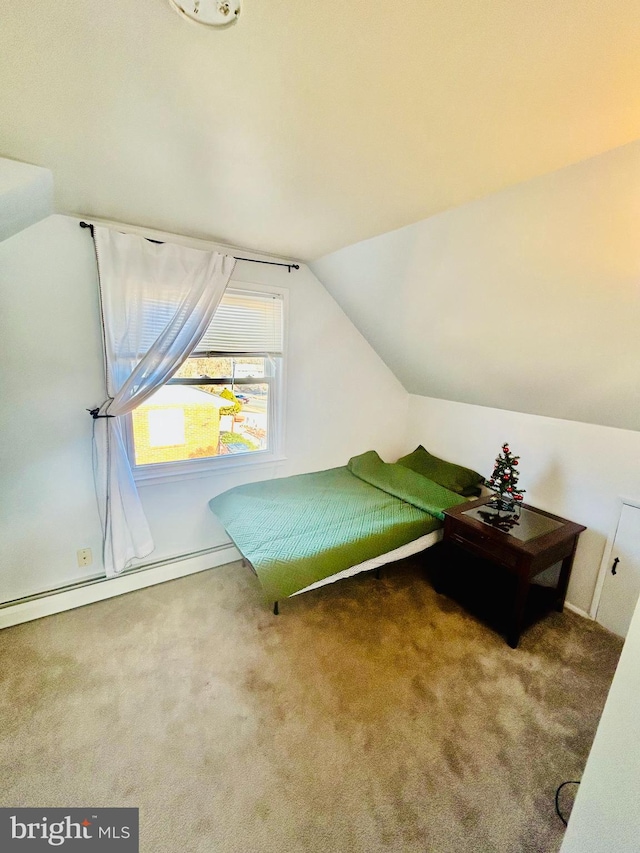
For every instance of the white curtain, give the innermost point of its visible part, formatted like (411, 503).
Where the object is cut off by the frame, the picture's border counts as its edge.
(157, 301)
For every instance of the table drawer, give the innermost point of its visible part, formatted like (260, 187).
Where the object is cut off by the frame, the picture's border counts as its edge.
(483, 546)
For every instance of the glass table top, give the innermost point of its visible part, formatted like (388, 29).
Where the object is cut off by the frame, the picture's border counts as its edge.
(527, 526)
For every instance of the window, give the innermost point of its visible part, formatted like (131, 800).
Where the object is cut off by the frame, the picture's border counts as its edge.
(225, 399)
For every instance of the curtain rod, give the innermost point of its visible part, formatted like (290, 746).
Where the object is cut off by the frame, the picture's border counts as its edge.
(249, 260)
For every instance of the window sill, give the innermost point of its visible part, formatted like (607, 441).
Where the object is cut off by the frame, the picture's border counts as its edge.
(175, 471)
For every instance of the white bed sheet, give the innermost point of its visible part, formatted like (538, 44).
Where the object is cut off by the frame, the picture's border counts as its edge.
(400, 553)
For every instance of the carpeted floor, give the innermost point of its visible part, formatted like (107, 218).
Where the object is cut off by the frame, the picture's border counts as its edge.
(369, 716)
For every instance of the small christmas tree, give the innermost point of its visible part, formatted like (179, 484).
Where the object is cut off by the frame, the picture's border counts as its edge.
(504, 480)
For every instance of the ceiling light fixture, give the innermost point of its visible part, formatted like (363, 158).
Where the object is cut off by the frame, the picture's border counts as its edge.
(213, 13)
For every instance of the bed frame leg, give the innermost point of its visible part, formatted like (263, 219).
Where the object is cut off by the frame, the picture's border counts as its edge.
(378, 573)
(275, 608)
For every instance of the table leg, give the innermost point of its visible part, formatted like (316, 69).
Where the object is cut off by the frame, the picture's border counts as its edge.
(517, 614)
(436, 580)
(563, 579)
(435, 566)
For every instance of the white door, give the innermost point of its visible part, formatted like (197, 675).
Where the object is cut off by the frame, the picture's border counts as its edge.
(621, 586)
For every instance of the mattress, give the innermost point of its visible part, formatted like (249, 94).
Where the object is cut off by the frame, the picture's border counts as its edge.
(301, 530)
(401, 553)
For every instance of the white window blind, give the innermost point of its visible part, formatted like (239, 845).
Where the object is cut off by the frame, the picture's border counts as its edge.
(245, 322)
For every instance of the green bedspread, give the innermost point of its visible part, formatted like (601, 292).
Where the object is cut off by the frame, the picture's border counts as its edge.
(298, 530)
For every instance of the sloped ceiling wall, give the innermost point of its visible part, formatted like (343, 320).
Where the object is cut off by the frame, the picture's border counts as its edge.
(527, 300)
(310, 124)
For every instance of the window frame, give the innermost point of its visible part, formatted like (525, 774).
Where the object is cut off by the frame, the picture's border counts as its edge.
(185, 469)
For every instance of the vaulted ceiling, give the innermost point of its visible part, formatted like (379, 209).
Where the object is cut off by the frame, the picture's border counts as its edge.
(309, 125)
(526, 300)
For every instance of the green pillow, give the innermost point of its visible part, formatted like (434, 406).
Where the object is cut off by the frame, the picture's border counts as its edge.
(456, 478)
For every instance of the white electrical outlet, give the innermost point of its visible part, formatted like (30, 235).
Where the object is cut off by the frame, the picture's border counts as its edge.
(84, 557)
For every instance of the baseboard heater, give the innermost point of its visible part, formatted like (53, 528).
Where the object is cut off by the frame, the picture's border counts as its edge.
(99, 587)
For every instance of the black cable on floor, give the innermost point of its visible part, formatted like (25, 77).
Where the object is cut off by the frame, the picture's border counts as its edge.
(560, 787)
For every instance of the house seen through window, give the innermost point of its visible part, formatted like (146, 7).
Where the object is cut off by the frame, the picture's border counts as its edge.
(223, 400)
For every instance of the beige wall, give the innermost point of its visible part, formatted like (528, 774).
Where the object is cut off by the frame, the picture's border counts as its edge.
(27, 196)
(516, 318)
(340, 400)
(527, 300)
(605, 817)
(575, 470)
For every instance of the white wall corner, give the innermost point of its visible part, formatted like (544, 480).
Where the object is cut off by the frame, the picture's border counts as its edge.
(578, 610)
(26, 196)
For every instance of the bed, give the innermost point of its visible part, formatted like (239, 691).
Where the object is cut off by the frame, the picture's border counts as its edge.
(300, 532)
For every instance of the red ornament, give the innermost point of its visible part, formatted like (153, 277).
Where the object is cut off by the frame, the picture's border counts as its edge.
(509, 489)
(506, 477)
(518, 497)
(505, 447)
(515, 462)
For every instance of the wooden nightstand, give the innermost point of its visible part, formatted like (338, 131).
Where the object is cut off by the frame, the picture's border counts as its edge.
(535, 542)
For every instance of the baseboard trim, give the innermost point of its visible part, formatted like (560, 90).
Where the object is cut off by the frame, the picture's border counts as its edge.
(57, 601)
(577, 610)
(99, 589)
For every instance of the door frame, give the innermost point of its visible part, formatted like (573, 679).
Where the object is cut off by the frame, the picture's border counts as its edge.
(606, 557)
